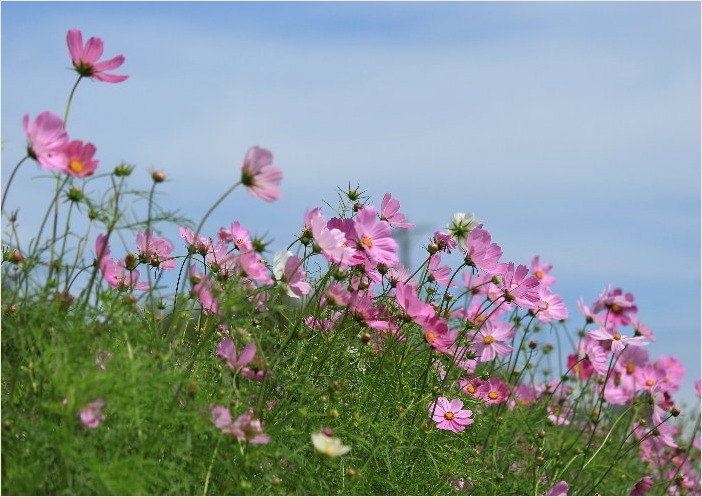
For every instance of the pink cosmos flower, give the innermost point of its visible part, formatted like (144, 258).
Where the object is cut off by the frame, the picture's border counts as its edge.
(541, 272)
(642, 487)
(389, 211)
(450, 415)
(406, 297)
(338, 294)
(493, 391)
(80, 161)
(519, 288)
(47, 141)
(202, 289)
(619, 306)
(114, 272)
(239, 235)
(438, 334)
(560, 488)
(440, 274)
(489, 341)
(287, 269)
(674, 372)
(155, 251)
(481, 253)
(196, 243)
(91, 415)
(252, 266)
(551, 306)
(245, 428)
(373, 238)
(618, 341)
(85, 58)
(260, 176)
(443, 242)
(330, 242)
(227, 349)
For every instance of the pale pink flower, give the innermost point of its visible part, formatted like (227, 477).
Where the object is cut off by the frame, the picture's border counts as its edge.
(47, 141)
(338, 294)
(202, 288)
(443, 242)
(154, 250)
(196, 243)
(619, 306)
(238, 235)
(481, 253)
(389, 211)
(85, 58)
(252, 266)
(541, 272)
(618, 341)
(329, 242)
(551, 306)
(114, 272)
(245, 428)
(560, 488)
(490, 340)
(227, 349)
(450, 415)
(519, 288)
(91, 415)
(407, 299)
(79, 159)
(260, 176)
(373, 238)
(674, 372)
(440, 274)
(438, 334)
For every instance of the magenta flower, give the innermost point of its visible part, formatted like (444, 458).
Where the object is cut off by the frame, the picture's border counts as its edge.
(389, 211)
(79, 159)
(85, 58)
(91, 415)
(227, 349)
(642, 487)
(560, 488)
(114, 272)
(373, 238)
(406, 297)
(450, 415)
(260, 176)
(440, 274)
(202, 288)
(493, 391)
(47, 141)
(155, 251)
(551, 307)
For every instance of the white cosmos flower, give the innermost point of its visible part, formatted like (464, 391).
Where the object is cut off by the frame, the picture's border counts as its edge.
(462, 223)
(329, 446)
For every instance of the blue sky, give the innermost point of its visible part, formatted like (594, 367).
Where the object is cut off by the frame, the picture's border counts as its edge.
(572, 130)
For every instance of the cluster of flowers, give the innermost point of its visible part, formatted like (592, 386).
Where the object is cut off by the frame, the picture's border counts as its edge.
(369, 282)
(49, 143)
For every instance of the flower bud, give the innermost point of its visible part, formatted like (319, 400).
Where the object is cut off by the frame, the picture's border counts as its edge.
(158, 176)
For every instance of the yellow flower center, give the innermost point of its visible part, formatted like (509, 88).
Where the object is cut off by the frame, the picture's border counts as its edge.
(448, 415)
(617, 336)
(488, 340)
(539, 274)
(649, 383)
(76, 166)
(630, 367)
(470, 389)
(616, 308)
(431, 336)
(492, 395)
(367, 242)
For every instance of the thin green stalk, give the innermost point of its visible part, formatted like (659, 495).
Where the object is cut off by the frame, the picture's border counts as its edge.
(9, 181)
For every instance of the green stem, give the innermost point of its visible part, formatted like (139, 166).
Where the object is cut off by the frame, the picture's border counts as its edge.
(9, 182)
(70, 99)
